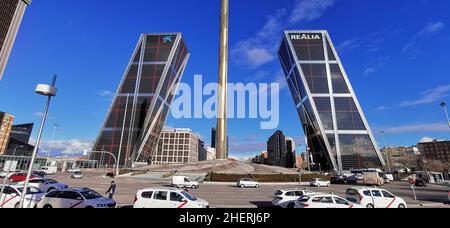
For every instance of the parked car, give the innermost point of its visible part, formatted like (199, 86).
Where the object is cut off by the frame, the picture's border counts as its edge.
(167, 198)
(184, 182)
(338, 179)
(46, 185)
(420, 183)
(73, 170)
(370, 178)
(48, 170)
(324, 201)
(77, 175)
(11, 196)
(19, 177)
(75, 198)
(285, 198)
(369, 197)
(248, 183)
(318, 182)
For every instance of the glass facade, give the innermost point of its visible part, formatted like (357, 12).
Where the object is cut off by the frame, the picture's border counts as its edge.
(11, 14)
(338, 135)
(142, 103)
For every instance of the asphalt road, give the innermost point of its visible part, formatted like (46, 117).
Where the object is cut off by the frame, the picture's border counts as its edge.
(228, 196)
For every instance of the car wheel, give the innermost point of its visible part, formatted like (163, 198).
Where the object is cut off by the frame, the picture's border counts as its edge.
(402, 206)
(48, 206)
(370, 206)
(89, 207)
(50, 189)
(195, 186)
(242, 186)
(291, 206)
(17, 205)
(257, 186)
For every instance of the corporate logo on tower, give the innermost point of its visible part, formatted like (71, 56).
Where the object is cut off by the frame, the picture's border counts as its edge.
(305, 37)
(167, 39)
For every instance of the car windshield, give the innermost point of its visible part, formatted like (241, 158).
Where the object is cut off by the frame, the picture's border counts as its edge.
(31, 190)
(52, 181)
(187, 195)
(278, 193)
(303, 199)
(77, 173)
(91, 194)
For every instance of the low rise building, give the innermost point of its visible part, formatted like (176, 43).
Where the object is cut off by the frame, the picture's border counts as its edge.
(436, 150)
(177, 146)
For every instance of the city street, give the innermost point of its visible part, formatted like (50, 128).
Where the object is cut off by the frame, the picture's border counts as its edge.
(224, 195)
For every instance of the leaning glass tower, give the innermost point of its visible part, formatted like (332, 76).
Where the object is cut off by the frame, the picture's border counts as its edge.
(338, 134)
(142, 102)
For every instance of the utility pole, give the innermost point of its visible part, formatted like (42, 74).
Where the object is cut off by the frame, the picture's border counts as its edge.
(221, 137)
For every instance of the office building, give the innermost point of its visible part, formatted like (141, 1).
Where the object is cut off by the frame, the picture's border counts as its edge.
(401, 151)
(142, 102)
(338, 134)
(6, 123)
(11, 14)
(177, 146)
(213, 137)
(278, 153)
(437, 150)
(19, 140)
(202, 153)
(291, 153)
(210, 153)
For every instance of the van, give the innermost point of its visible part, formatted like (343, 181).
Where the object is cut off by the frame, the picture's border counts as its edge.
(48, 170)
(184, 182)
(370, 178)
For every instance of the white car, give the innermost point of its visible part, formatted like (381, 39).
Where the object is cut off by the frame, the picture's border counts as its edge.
(323, 201)
(318, 182)
(74, 170)
(167, 198)
(184, 182)
(77, 175)
(248, 183)
(75, 198)
(286, 198)
(369, 197)
(11, 196)
(46, 185)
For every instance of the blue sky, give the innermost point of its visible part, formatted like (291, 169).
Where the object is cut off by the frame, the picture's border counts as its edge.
(396, 54)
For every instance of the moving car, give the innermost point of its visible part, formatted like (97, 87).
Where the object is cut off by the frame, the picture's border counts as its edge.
(324, 201)
(75, 198)
(368, 197)
(371, 178)
(318, 182)
(73, 170)
(420, 183)
(167, 198)
(19, 177)
(49, 170)
(338, 179)
(285, 198)
(77, 175)
(46, 185)
(184, 182)
(248, 183)
(11, 196)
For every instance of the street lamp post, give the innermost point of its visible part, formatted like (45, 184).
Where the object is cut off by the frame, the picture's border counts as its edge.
(49, 91)
(386, 152)
(51, 144)
(8, 171)
(444, 106)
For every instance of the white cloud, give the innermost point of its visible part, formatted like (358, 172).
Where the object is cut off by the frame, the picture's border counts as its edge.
(431, 29)
(418, 128)
(261, 49)
(106, 93)
(426, 140)
(66, 147)
(429, 96)
(309, 10)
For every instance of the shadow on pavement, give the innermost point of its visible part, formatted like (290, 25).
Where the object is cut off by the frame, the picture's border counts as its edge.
(262, 204)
